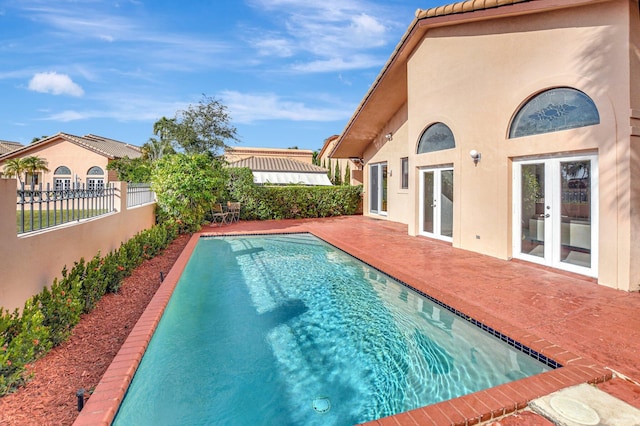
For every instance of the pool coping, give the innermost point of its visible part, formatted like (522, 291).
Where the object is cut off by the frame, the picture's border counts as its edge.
(103, 404)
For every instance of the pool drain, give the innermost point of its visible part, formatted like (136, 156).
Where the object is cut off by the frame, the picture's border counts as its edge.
(321, 404)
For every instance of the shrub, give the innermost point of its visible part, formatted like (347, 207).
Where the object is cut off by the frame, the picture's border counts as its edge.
(48, 317)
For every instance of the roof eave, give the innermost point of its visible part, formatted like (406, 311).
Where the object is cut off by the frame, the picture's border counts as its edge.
(385, 97)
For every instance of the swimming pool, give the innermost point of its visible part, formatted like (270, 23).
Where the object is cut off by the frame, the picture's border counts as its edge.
(290, 330)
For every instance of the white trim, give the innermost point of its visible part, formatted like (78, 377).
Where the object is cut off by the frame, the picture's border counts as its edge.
(437, 212)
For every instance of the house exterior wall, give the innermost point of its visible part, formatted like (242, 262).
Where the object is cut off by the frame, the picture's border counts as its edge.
(29, 262)
(355, 169)
(78, 159)
(474, 77)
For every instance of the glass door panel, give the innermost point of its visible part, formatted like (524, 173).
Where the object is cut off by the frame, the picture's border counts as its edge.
(446, 203)
(373, 197)
(428, 202)
(383, 191)
(532, 208)
(575, 240)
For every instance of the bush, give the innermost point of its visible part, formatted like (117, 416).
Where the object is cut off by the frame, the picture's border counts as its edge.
(291, 202)
(48, 317)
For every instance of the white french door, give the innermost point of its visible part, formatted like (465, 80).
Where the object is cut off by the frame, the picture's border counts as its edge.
(555, 207)
(436, 203)
(378, 185)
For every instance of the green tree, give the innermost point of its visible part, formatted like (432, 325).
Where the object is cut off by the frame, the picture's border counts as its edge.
(33, 165)
(14, 167)
(329, 173)
(202, 128)
(337, 177)
(154, 149)
(347, 175)
(315, 160)
(187, 184)
(137, 170)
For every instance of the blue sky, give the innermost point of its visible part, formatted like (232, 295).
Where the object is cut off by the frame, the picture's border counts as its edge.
(291, 72)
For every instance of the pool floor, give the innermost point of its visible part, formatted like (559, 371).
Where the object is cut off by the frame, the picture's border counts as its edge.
(469, 409)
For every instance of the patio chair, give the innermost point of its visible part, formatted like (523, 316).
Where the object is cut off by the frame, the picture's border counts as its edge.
(233, 208)
(218, 215)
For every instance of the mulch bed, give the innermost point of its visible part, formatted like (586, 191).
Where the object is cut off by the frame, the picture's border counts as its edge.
(79, 363)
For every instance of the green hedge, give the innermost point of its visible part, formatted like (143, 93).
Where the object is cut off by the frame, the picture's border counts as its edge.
(48, 317)
(291, 202)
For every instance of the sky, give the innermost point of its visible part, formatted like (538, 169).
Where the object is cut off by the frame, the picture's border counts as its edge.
(290, 72)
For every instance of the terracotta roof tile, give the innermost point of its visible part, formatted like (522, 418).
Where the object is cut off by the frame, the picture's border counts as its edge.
(7, 146)
(463, 7)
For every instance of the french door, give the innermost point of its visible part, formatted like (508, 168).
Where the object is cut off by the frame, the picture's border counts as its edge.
(378, 193)
(436, 203)
(556, 212)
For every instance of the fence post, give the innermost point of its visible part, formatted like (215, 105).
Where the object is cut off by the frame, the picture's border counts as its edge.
(121, 196)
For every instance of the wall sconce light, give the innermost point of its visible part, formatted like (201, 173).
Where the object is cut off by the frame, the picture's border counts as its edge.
(475, 156)
(388, 136)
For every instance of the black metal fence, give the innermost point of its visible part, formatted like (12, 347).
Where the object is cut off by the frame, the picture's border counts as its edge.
(139, 194)
(42, 208)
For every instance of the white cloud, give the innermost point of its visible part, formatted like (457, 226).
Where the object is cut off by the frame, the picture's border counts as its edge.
(329, 33)
(54, 83)
(248, 108)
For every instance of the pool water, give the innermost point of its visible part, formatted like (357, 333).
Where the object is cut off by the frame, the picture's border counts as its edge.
(288, 330)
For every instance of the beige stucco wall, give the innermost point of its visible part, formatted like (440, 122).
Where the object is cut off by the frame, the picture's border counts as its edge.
(354, 168)
(31, 261)
(474, 77)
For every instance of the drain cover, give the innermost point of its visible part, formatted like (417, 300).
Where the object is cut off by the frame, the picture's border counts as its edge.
(322, 404)
(575, 410)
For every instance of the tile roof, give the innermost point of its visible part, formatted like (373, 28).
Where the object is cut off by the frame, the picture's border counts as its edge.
(463, 7)
(272, 164)
(7, 146)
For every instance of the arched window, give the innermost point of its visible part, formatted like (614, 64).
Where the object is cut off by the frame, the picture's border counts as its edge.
(62, 178)
(554, 110)
(62, 170)
(437, 137)
(95, 171)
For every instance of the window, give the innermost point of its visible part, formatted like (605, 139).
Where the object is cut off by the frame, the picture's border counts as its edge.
(437, 137)
(95, 170)
(404, 167)
(62, 170)
(554, 110)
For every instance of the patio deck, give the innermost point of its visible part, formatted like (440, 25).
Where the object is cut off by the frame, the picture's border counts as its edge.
(590, 329)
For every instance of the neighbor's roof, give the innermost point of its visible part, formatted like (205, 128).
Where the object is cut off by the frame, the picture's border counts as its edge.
(110, 148)
(388, 93)
(273, 164)
(7, 146)
(270, 170)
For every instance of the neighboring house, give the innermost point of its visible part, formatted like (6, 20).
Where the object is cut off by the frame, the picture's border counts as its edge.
(512, 129)
(6, 146)
(354, 164)
(283, 171)
(235, 154)
(74, 161)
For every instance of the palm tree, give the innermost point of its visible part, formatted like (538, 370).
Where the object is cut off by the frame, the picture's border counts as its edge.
(33, 165)
(155, 149)
(14, 167)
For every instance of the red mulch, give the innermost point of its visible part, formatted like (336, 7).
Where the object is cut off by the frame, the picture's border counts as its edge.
(50, 397)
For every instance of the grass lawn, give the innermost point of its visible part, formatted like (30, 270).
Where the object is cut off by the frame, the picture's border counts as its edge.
(56, 217)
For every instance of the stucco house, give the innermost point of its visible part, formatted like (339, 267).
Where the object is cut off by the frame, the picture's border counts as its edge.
(354, 164)
(512, 128)
(74, 161)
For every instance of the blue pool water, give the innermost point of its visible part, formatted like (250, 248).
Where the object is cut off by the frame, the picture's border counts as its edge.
(288, 330)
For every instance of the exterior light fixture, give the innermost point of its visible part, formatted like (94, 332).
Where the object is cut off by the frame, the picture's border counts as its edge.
(475, 156)
(388, 136)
